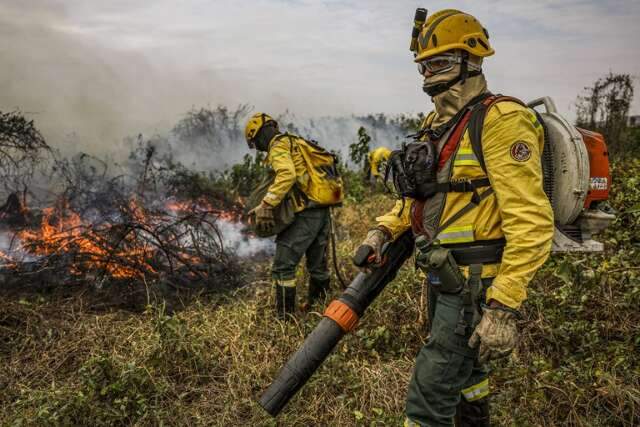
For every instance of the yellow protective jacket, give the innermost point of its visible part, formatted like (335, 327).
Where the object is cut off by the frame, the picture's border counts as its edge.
(518, 211)
(376, 157)
(308, 166)
(289, 167)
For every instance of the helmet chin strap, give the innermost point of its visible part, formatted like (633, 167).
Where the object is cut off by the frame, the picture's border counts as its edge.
(438, 88)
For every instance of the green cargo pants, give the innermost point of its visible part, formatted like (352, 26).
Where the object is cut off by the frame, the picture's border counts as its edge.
(307, 235)
(447, 370)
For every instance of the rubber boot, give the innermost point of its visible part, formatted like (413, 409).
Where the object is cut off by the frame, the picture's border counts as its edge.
(285, 301)
(473, 414)
(318, 289)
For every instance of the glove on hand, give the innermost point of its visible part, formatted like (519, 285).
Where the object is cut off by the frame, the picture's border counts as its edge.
(264, 218)
(496, 333)
(375, 239)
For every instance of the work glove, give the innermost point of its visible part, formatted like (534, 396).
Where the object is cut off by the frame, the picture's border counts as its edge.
(263, 217)
(496, 333)
(375, 239)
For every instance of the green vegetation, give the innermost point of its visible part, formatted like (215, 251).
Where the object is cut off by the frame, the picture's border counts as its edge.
(604, 107)
(66, 361)
(577, 364)
(359, 150)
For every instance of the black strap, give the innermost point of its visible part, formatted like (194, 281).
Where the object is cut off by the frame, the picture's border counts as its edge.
(469, 186)
(489, 242)
(464, 67)
(479, 252)
(476, 124)
(334, 254)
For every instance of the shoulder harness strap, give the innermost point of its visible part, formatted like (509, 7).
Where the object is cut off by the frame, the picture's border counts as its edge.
(476, 123)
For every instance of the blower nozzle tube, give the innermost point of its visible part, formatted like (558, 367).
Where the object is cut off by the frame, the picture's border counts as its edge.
(341, 316)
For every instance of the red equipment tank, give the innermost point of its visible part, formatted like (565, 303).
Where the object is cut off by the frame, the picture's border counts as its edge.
(599, 175)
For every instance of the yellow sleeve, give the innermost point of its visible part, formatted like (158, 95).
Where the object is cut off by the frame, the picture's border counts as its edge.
(280, 160)
(398, 220)
(512, 144)
(373, 163)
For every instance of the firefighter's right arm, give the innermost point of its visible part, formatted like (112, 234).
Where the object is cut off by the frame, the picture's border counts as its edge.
(280, 160)
(396, 221)
(390, 227)
(374, 163)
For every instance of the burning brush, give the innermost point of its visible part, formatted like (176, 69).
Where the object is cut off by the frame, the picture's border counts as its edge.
(104, 227)
(179, 243)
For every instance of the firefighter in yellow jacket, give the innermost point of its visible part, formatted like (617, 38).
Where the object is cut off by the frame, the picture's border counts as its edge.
(487, 209)
(301, 167)
(377, 160)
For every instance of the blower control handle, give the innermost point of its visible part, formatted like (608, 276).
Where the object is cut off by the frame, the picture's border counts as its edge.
(361, 258)
(365, 255)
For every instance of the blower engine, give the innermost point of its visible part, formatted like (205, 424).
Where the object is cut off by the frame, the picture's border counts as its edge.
(577, 181)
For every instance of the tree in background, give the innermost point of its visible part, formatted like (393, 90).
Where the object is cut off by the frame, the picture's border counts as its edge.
(605, 108)
(215, 126)
(358, 151)
(246, 176)
(22, 150)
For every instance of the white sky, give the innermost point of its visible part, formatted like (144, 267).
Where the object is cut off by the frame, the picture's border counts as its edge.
(117, 66)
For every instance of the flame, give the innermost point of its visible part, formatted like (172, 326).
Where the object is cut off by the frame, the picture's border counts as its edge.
(62, 232)
(118, 250)
(202, 205)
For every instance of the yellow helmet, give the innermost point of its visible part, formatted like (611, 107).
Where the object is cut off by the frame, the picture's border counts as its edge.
(255, 123)
(452, 29)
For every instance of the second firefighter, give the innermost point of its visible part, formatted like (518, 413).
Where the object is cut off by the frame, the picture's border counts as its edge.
(303, 183)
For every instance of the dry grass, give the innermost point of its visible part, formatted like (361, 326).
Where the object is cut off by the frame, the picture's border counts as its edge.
(65, 364)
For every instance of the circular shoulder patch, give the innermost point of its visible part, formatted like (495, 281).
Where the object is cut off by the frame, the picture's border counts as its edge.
(520, 151)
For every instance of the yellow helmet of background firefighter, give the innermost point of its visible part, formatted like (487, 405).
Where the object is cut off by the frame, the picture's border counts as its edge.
(255, 123)
(452, 29)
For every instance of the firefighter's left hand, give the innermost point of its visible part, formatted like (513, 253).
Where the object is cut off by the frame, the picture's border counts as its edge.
(496, 334)
(264, 219)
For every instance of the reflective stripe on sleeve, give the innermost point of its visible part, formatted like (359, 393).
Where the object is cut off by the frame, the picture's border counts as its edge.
(477, 391)
(456, 234)
(465, 157)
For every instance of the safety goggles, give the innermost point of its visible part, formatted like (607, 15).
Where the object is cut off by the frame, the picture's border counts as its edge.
(441, 64)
